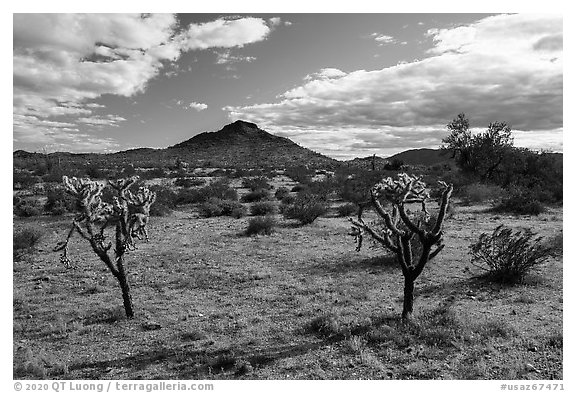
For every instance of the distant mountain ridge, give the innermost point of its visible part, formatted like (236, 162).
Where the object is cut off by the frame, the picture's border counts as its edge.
(244, 144)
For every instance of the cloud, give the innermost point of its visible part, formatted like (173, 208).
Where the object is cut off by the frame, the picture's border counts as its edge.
(500, 68)
(108, 120)
(226, 57)
(383, 39)
(61, 62)
(197, 106)
(225, 33)
(325, 73)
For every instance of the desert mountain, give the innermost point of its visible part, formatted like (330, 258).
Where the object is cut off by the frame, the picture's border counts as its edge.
(244, 144)
(239, 144)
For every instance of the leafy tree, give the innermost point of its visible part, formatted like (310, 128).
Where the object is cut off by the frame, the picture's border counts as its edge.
(480, 154)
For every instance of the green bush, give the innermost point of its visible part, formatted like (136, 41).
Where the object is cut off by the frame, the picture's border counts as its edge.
(256, 195)
(262, 208)
(306, 208)
(24, 241)
(508, 255)
(261, 226)
(519, 201)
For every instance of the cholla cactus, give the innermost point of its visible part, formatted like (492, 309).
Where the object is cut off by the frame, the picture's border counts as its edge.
(95, 216)
(399, 228)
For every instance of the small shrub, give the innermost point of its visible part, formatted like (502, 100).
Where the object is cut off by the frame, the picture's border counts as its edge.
(154, 173)
(306, 208)
(262, 208)
(261, 226)
(59, 201)
(256, 183)
(480, 193)
(287, 200)
(165, 201)
(299, 188)
(24, 242)
(27, 208)
(347, 209)
(281, 192)
(508, 255)
(188, 182)
(256, 195)
(519, 201)
(216, 207)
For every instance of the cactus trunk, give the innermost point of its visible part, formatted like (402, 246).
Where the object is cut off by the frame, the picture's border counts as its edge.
(408, 298)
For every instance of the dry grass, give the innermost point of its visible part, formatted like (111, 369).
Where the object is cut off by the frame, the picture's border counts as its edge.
(298, 304)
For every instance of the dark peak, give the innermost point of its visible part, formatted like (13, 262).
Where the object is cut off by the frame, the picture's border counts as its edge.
(240, 126)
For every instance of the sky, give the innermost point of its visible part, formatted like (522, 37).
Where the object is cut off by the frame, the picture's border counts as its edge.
(344, 85)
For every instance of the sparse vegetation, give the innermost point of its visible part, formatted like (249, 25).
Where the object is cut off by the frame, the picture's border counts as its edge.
(347, 209)
(255, 196)
(261, 226)
(306, 208)
(263, 208)
(24, 242)
(519, 201)
(216, 207)
(508, 255)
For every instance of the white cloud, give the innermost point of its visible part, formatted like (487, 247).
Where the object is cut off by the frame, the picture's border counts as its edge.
(276, 21)
(326, 73)
(501, 68)
(383, 39)
(226, 57)
(62, 61)
(225, 33)
(198, 106)
(108, 120)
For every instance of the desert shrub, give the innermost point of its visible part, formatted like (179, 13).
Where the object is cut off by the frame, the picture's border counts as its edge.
(24, 241)
(261, 226)
(24, 180)
(256, 195)
(519, 201)
(165, 201)
(508, 255)
(94, 172)
(300, 174)
(287, 200)
(59, 201)
(299, 188)
(347, 209)
(480, 193)
(219, 189)
(256, 183)
(26, 208)
(187, 182)
(154, 173)
(262, 208)
(216, 207)
(394, 165)
(281, 192)
(306, 208)
(322, 188)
